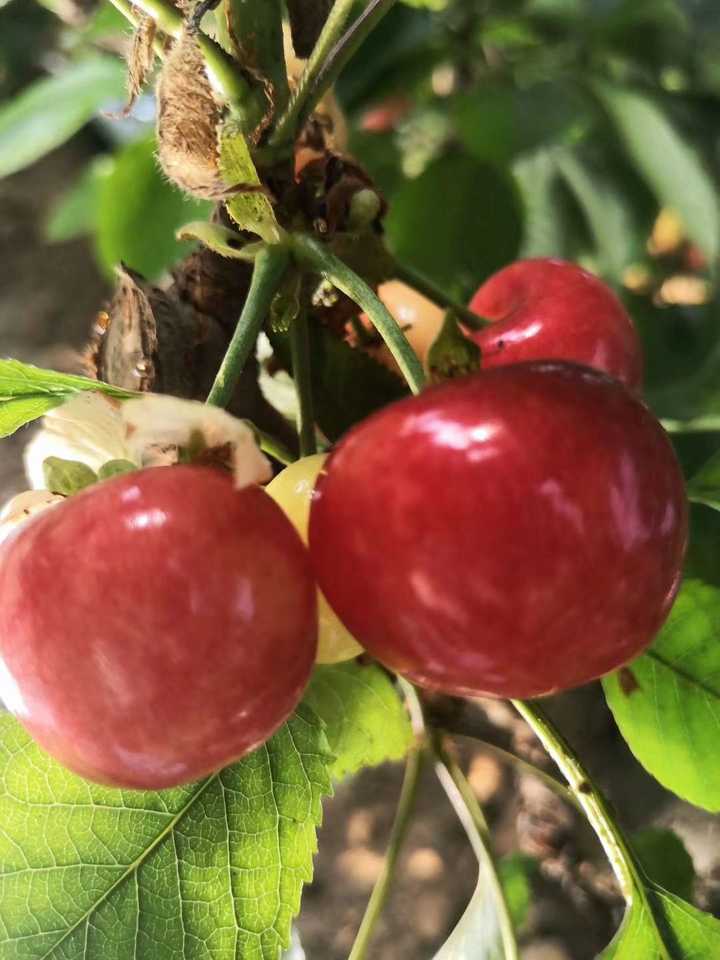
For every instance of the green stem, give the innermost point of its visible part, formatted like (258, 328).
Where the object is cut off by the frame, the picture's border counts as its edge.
(314, 255)
(223, 73)
(470, 815)
(622, 859)
(706, 424)
(274, 448)
(256, 26)
(343, 51)
(126, 8)
(269, 270)
(403, 816)
(428, 289)
(524, 766)
(168, 19)
(289, 122)
(301, 370)
(468, 811)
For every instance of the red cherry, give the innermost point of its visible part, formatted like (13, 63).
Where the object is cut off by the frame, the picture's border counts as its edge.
(156, 627)
(554, 310)
(510, 534)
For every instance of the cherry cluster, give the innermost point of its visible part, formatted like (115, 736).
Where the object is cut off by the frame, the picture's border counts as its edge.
(512, 533)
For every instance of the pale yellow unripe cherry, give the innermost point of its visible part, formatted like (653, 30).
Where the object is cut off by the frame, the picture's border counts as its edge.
(292, 490)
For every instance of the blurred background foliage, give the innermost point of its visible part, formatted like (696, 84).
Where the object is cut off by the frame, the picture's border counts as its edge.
(586, 129)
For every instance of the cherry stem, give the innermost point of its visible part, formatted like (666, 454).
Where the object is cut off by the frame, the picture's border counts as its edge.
(331, 53)
(524, 766)
(289, 122)
(381, 890)
(710, 423)
(622, 859)
(468, 811)
(302, 375)
(470, 814)
(271, 263)
(320, 260)
(430, 290)
(222, 70)
(273, 447)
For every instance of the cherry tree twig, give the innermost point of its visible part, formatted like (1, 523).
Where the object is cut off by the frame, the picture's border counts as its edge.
(271, 263)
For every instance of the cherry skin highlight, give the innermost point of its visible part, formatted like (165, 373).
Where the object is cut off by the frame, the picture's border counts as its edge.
(509, 534)
(554, 310)
(156, 627)
(293, 489)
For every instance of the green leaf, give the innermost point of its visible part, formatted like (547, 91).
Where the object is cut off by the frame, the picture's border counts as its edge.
(75, 215)
(667, 702)
(50, 111)
(687, 933)
(670, 166)
(251, 211)
(212, 871)
(516, 872)
(28, 393)
(366, 722)
(456, 223)
(552, 226)
(67, 476)
(665, 859)
(24, 380)
(116, 468)
(139, 212)
(607, 212)
(705, 485)
(497, 122)
(16, 413)
(452, 354)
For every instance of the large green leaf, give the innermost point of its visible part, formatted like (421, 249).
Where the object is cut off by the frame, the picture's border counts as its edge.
(457, 223)
(665, 859)
(669, 164)
(75, 213)
(366, 722)
(497, 122)
(675, 931)
(139, 212)
(667, 702)
(28, 393)
(609, 205)
(213, 870)
(50, 111)
(553, 226)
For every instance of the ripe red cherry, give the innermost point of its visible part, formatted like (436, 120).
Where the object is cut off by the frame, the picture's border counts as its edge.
(554, 310)
(156, 627)
(510, 534)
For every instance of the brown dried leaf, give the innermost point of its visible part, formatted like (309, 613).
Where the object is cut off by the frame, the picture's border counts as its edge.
(188, 123)
(141, 60)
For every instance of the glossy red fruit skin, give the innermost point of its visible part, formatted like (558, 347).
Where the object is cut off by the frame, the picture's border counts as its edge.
(510, 534)
(156, 627)
(548, 309)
